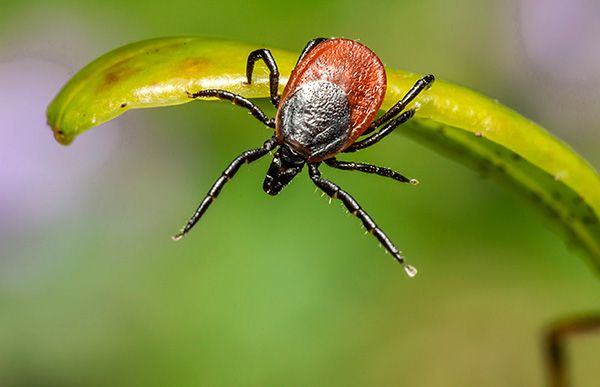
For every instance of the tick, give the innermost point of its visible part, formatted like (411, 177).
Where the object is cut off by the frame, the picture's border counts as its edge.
(331, 99)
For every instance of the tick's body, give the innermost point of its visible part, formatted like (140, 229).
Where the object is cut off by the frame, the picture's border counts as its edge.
(330, 100)
(335, 92)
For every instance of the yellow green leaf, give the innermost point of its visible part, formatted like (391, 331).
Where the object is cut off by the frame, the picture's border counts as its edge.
(453, 120)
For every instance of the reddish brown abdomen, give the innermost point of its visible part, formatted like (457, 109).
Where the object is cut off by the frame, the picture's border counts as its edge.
(351, 66)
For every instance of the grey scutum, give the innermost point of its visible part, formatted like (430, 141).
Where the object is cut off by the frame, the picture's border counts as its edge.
(315, 120)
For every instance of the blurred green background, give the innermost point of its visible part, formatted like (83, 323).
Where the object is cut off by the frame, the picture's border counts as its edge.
(286, 290)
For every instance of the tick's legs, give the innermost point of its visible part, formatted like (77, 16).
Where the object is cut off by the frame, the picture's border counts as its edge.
(309, 46)
(267, 57)
(245, 158)
(414, 91)
(352, 205)
(375, 138)
(237, 100)
(369, 168)
(418, 87)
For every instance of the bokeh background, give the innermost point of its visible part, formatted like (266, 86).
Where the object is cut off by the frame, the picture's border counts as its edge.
(286, 290)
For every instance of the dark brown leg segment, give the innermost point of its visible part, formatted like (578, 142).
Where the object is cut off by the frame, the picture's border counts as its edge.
(369, 168)
(355, 209)
(245, 158)
(237, 100)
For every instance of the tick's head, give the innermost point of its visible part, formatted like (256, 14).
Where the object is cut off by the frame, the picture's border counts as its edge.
(285, 166)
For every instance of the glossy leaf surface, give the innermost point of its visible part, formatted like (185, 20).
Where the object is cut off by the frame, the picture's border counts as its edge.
(459, 123)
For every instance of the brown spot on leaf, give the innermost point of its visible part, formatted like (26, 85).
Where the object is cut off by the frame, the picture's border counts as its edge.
(193, 65)
(114, 74)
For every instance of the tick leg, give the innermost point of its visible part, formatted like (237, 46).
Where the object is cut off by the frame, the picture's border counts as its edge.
(392, 123)
(309, 46)
(237, 100)
(352, 205)
(267, 57)
(418, 87)
(414, 91)
(375, 138)
(369, 168)
(245, 158)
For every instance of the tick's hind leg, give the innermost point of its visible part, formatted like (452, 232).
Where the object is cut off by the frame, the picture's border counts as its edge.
(414, 91)
(245, 158)
(369, 168)
(376, 137)
(237, 100)
(355, 209)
